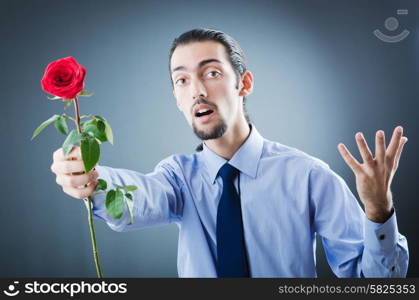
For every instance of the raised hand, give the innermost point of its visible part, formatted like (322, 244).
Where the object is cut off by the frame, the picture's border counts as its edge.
(375, 174)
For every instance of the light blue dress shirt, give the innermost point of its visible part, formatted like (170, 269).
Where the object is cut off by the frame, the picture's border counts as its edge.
(287, 197)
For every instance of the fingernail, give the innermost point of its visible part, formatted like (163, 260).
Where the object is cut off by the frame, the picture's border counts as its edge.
(380, 134)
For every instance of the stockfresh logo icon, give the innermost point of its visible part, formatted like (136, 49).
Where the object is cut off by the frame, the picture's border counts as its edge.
(11, 289)
(392, 24)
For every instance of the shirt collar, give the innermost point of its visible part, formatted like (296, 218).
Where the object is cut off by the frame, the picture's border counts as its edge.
(246, 159)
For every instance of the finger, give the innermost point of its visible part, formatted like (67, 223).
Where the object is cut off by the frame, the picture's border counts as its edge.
(380, 146)
(403, 141)
(75, 154)
(348, 158)
(394, 144)
(68, 167)
(80, 193)
(364, 150)
(77, 180)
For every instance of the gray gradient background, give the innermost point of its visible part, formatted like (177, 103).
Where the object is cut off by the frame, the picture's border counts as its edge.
(320, 76)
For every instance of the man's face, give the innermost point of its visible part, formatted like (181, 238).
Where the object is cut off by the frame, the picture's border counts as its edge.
(205, 88)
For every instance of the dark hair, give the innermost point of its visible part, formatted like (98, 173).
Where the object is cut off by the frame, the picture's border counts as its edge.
(234, 52)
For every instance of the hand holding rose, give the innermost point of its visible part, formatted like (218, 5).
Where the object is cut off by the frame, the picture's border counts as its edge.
(73, 164)
(70, 174)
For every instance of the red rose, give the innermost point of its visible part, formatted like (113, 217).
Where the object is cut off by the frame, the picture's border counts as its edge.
(64, 78)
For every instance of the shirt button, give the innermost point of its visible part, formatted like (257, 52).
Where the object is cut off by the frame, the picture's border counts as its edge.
(382, 236)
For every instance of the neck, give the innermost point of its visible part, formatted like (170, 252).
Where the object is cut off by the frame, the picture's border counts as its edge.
(231, 141)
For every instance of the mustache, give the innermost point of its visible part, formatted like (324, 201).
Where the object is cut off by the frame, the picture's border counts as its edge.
(203, 101)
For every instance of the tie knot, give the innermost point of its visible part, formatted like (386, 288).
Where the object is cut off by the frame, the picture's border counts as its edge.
(228, 172)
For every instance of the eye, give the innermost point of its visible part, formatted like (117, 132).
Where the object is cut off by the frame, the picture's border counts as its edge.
(214, 74)
(181, 80)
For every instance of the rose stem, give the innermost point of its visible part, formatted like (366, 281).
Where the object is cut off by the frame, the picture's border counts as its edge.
(91, 225)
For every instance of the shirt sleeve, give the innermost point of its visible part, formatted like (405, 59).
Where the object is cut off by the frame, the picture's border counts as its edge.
(354, 245)
(157, 200)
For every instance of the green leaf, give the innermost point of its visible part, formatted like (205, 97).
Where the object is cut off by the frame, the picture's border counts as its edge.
(109, 134)
(84, 124)
(101, 185)
(72, 138)
(61, 125)
(117, 186)
(90, 152)
(108, 129)
(96, 128)
(129, 188)
(101, 126)
(115, 203)
(85, 94)
(87, 134)
(43, 125)
(54, 98)
(130, 204)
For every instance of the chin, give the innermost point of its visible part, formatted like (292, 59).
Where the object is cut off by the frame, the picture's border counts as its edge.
(210, 131)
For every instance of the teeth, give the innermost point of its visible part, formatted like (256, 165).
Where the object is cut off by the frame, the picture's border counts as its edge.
(202, 110)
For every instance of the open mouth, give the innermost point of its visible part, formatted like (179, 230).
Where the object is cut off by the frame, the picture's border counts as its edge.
(203, 112)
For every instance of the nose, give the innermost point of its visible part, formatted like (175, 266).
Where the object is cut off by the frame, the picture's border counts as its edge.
(198, 90)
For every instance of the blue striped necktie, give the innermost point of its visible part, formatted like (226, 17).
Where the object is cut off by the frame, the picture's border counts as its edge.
(231, 253)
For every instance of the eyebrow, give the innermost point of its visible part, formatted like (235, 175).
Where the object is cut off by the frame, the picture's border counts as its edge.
(200, 65)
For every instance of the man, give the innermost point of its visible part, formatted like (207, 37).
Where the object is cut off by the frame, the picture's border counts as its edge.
(246, 206)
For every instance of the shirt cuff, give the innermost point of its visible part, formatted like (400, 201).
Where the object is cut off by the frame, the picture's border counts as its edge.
(98, 201)
(381, 237)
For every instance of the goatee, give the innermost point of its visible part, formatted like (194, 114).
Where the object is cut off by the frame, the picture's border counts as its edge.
(215, 133)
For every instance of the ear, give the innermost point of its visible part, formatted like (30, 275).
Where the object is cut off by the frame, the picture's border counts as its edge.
(246, 84)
